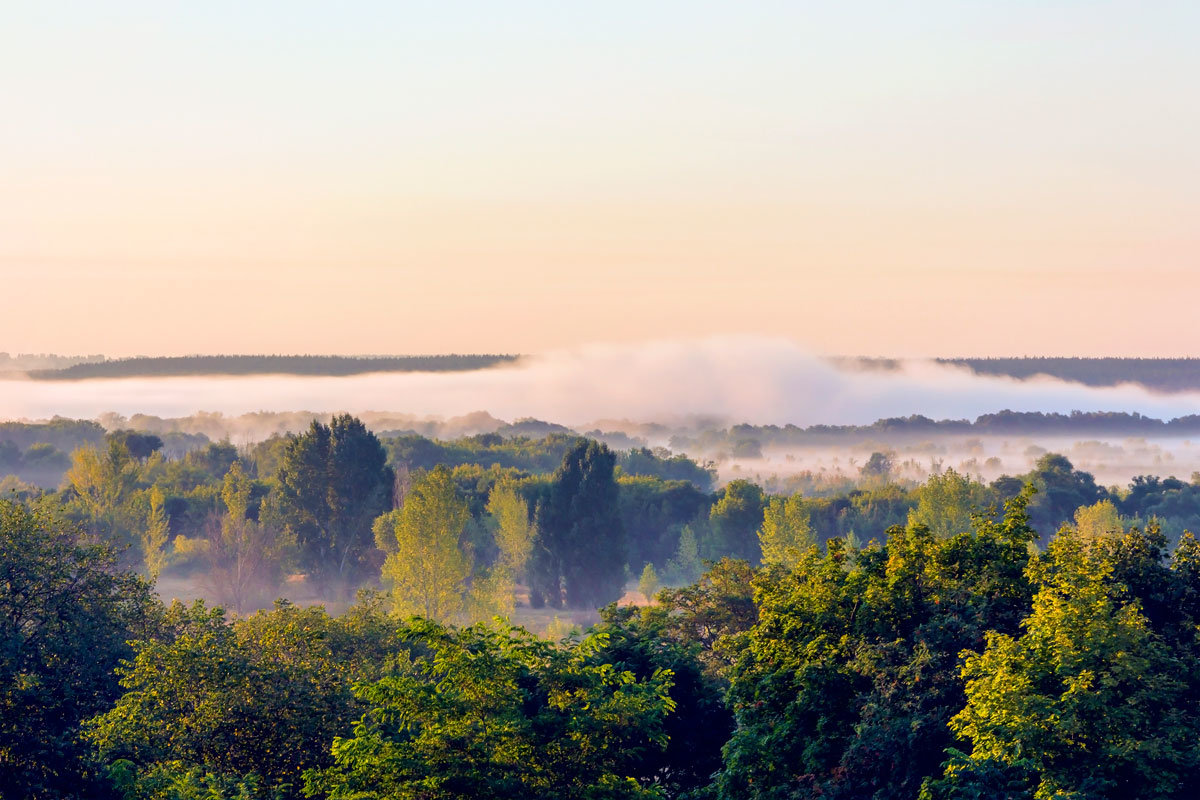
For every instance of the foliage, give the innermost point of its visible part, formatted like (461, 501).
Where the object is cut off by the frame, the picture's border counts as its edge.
(154, 539)
(426, 566)
(579, 553)
(1098, 521)
(244, 556)
(785, 533)
(147, 366)
(845, 684)
(489, 712)
(686, 566)
(513, 536)
(333, 481)
(706, 614)
(946, 502)
(65, 618)
(735, 519)
(648, 582)
(262, 696)
(641, 641)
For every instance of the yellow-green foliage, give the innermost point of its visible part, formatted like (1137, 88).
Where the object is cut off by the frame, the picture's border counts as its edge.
(786, 532)
(945, 503)
(154, 540)
(428, 568)
(1097, 522)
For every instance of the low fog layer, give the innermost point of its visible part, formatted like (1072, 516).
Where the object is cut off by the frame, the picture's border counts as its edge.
(736, 379)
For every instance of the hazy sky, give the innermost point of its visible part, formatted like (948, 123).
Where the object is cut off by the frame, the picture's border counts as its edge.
(881, 178)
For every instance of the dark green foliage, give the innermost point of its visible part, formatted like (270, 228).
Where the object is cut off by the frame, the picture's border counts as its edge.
(65, 618)
(332, 483)
(642, 642)
(1061, 490)
(662, 464)
(579, 551)
(139, 445)
(497, 713)
(709, 612)
(653, 512)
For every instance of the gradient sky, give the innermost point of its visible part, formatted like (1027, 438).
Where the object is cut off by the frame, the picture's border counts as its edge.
(932, 178)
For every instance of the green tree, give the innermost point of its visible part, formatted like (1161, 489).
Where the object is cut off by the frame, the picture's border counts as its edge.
(156, 535)
(1087, 702)
(641, 641)
(785, 533)
(734, 520)
(333, 482)
(648, 583)
(845, 685)
(426, 565)
(1098, 522)
(711, 611)
(686, 566)
(66, 615)
(946, 503)
(497, 713)
(579, 553)
(493, 592)
(1061, 490)
(254, 701)
(101, 482)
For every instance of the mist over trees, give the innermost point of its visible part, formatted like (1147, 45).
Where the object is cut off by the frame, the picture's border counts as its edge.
(902, 638)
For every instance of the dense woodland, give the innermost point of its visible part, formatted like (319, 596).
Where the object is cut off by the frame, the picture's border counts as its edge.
(1031, 637)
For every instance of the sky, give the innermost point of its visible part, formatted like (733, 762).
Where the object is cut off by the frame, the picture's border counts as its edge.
(876, 178)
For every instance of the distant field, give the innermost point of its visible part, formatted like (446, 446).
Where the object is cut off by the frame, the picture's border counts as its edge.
(267, 365)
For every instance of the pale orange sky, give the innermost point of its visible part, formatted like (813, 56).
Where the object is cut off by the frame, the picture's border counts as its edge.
(452, 177)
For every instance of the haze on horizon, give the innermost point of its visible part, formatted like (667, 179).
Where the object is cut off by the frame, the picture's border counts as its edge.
(864, 178)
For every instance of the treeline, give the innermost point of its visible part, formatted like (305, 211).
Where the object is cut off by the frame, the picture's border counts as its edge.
(748, 441)
(1163, 374)
(23, 362)
(174, 366)
(968, 664)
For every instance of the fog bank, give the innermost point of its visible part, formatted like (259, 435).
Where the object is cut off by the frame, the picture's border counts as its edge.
(734, 379)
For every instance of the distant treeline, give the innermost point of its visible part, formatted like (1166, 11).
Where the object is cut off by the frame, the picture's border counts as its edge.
(146, 367)
(747, 440)
(24, 362)
(1163, 374)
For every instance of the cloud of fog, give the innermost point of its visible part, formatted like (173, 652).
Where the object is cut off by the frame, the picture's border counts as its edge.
(736, 379)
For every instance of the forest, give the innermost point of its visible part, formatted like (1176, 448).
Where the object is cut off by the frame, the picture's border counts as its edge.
(545, 617)
(168, 366)
(1161, 374)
